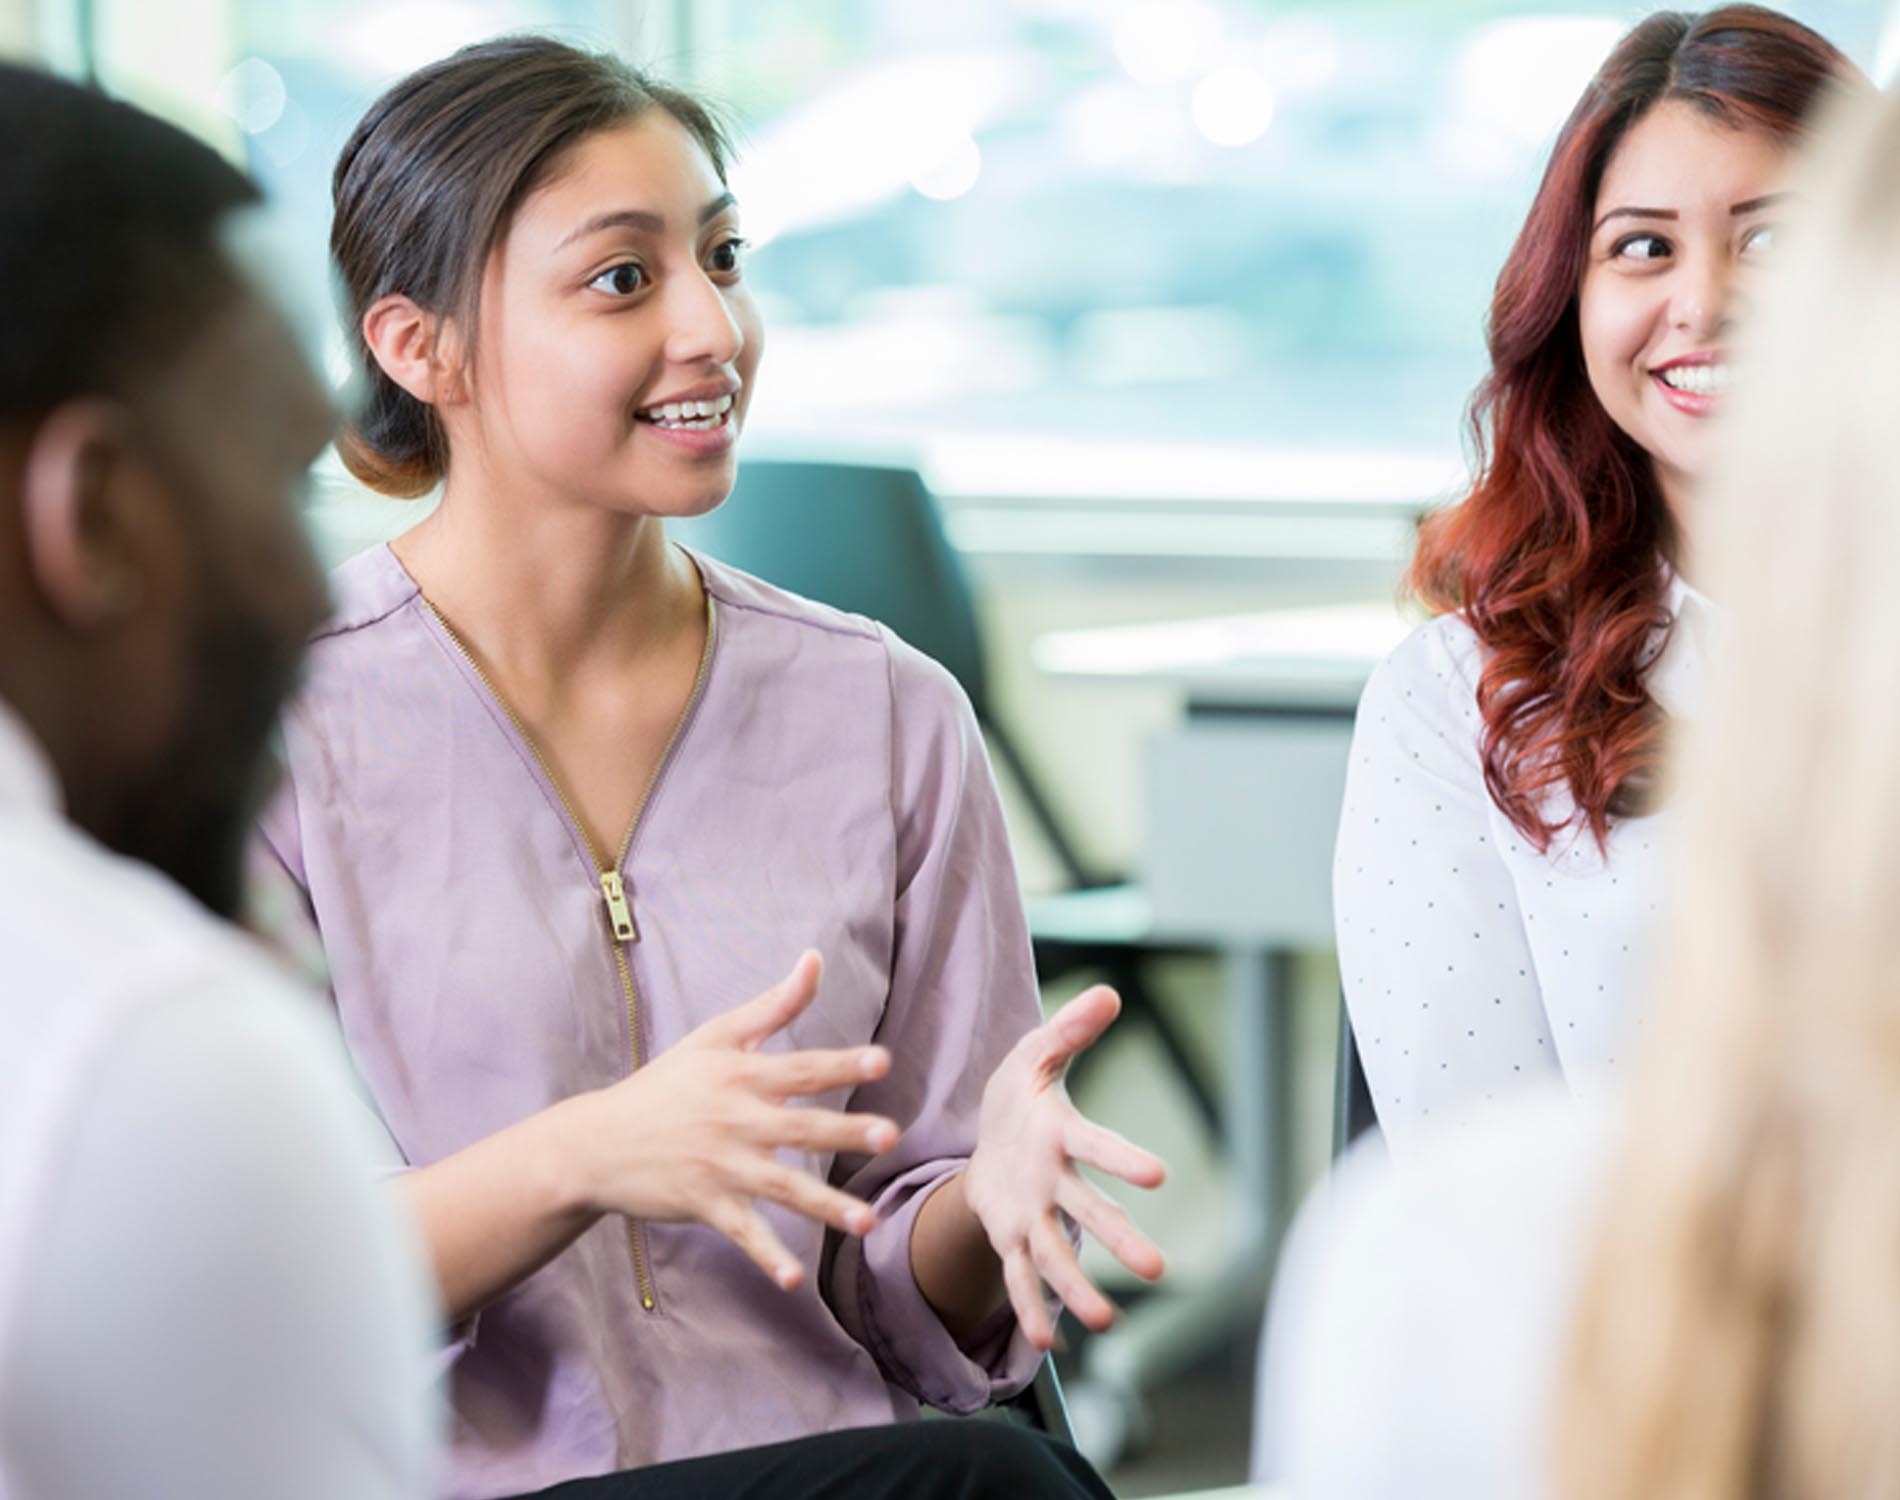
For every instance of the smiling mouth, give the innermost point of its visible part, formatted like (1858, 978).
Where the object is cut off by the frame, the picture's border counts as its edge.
(688, 416)
(1696, 380)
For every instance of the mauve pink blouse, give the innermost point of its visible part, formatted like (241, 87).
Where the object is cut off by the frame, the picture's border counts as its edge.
(829, 789)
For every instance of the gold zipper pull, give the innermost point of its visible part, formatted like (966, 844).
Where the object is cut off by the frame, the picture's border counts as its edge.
(618, 911)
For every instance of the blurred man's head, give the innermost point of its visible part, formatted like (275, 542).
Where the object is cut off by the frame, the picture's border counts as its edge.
(156, 422)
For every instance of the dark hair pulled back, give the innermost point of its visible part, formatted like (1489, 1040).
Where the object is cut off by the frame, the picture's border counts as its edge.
(426, 187)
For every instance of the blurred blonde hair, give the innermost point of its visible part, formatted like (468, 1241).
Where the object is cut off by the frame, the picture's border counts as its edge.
(1738, 1329)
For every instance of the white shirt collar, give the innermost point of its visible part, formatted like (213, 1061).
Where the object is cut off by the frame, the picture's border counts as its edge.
(1681, 594)
(26, 775)
(1676, 677)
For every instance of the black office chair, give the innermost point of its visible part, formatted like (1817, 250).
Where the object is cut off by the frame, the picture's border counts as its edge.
(1040, 1405)
(870, 540)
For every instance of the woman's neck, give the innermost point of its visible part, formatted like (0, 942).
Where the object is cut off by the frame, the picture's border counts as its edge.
(1679, 499)
(545, 589)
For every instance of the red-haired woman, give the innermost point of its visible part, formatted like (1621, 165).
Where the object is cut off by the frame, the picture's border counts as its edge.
(1500, 844)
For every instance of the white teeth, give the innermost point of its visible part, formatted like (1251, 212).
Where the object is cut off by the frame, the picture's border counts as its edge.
(1697, 380)
(689, 413)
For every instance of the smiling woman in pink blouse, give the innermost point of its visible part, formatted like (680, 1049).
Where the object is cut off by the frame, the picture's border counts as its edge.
(1495, 876)
(566, 800)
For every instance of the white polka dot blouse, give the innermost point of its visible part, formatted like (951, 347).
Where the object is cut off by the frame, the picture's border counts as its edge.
(1472, 962)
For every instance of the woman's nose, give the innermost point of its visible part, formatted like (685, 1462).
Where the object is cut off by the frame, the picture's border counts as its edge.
(1700, 299)
(703, 329)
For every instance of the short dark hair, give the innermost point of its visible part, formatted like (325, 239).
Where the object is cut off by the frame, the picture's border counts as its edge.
(427, 185)
(109, 251)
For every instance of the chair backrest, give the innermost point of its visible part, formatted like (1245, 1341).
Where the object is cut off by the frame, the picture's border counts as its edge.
(859, 537)
(1353, 1114)
(870, 539)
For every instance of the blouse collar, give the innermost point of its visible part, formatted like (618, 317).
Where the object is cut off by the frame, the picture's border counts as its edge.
(1676, 677)
(1680, 594)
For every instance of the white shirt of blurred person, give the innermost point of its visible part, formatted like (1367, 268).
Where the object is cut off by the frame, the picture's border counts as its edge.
(203, 1291)
(1687, 1289)
(1500, 848)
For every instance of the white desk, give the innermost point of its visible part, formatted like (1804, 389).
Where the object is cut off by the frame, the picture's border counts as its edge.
(1243, 796)
(1235, 1492)
(1276, 659)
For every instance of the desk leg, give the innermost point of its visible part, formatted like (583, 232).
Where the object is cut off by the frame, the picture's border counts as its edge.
(1172, 1329)
(1259, 1107)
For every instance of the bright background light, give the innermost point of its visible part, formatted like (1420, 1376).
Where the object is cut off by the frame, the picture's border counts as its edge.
(1077, 218)
(950, 171)
(1233, 105)
(253, 95)
(1165, 41)
(1520, 77)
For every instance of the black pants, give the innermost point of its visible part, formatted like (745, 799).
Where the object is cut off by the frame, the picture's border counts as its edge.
(966, 1460)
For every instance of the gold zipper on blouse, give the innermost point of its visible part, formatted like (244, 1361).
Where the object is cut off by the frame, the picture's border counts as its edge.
(613, 891)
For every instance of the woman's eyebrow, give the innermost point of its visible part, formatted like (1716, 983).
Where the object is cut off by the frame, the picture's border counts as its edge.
(1747, 206)
(1636, 213)
(642, 219)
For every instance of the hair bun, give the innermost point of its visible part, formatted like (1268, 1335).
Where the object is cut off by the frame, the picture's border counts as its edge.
(395, 445)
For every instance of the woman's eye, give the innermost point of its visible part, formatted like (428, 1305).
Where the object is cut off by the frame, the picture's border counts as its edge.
(1761, 239)
(729, 255)
(622, 280)
(1640, 247)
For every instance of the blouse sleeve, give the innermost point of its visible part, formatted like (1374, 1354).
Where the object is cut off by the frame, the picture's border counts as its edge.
(962, 993)
(278, 891)
(1438, 974)
(279, 911)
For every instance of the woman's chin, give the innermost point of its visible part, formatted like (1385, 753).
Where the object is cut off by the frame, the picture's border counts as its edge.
(701, 504)
(638, 495)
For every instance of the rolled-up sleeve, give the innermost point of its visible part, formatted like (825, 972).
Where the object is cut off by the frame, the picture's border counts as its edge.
(962, 993)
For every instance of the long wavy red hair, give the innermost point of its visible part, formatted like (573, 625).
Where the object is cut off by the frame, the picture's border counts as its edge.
(1553, 555)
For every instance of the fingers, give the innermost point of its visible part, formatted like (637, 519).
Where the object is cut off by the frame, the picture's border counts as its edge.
(741, 1223)
(788, 1075)
(1058, 1266)
(1078, 1025)
(1104, 1218)
(763, 1015)
(805, 1194)
(1103, 1149)
(822, 1132)
(1025, 1296)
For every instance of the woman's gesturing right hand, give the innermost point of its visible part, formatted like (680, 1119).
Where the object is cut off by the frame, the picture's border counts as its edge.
(694, 1134)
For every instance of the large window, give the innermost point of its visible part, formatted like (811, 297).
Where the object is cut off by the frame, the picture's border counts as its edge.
(1198, 221)
(1237, 223)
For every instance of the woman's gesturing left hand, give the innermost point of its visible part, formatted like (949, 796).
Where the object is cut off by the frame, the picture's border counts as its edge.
(1030, 1142)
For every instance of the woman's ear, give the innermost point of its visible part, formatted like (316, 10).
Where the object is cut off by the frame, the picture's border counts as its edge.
(85, 564)
(415, 348)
